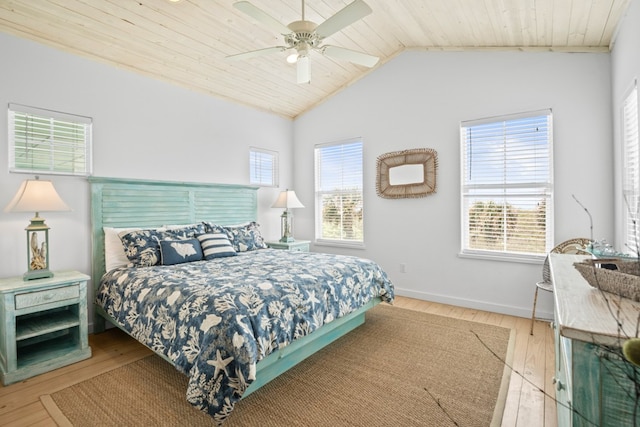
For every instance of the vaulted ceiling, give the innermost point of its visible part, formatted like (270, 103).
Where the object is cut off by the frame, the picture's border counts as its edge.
(186, 42)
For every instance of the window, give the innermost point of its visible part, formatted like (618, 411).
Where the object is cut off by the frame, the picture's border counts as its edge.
(48, 141)
(339, 202)
(631, 170)
(263, 167)
(507, 186)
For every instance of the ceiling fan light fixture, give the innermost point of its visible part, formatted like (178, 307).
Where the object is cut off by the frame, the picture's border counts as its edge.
(303, 69)
(305, 36)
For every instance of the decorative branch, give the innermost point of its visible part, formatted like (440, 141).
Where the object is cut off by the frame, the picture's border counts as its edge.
(512, 369)
(588, 213)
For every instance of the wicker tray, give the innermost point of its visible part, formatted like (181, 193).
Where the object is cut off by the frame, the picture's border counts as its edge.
(625, 281)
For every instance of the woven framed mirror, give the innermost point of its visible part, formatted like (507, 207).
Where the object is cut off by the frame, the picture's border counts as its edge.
(406, 174)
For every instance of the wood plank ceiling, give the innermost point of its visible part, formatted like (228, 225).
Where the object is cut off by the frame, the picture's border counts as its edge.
(185, 42)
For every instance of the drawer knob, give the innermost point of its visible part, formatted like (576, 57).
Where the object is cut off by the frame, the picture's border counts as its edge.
(559, 385)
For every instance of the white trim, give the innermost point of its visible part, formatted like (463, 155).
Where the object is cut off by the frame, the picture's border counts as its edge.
(339, 244)
(339, 189)
(506, 117)
(631, 94)
(341, 142)
(58, 115)
(524, 312)
(503, 256)
(275, 171)
(53, 144)
(488, 189)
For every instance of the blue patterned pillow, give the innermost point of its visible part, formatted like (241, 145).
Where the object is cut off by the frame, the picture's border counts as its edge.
(244, 237)
(187, 231)
(212, 227)
(142, 247)
(216, 246)
(179, 251)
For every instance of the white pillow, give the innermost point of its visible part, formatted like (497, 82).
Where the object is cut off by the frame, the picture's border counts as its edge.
(114, 255)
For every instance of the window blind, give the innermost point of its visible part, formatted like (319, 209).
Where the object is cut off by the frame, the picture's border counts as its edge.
(507, 185)
(48, 141)
(263, 167)
(339, 195)
(631, 170)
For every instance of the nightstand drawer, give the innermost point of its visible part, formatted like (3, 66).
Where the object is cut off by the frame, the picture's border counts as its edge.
(30, 299)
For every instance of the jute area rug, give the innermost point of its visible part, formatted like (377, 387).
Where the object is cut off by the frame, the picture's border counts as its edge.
(401, 368)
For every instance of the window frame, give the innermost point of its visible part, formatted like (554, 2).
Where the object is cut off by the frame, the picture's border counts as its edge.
(631, 168)
(508, 189)
(275, 167)
(319, 193)
(55, 119)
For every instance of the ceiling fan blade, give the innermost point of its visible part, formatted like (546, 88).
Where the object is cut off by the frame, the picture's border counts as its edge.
(254, 53)
(345, 17)
(262, 17)
(350, 55)
(304, 69)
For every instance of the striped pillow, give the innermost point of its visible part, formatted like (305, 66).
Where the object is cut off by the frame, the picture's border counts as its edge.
(216, 246)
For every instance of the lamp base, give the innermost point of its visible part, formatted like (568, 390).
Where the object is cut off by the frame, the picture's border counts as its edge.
(37, 274)
(287, 239)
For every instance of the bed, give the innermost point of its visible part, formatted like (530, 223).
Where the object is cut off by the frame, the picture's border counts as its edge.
(230, 323)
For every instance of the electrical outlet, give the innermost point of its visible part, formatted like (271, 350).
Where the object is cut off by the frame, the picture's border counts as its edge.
(403, 267)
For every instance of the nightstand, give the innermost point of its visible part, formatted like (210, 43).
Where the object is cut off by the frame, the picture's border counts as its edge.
(43, 324)
(295, 246)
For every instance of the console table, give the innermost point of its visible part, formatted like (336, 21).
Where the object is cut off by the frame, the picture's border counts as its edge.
(594, 385)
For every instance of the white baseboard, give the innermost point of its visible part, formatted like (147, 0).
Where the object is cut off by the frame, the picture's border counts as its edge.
(474, 304)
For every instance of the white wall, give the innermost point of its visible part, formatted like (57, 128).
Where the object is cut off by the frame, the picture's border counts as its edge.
(625, 64)
(145, 128)
(142, 128)
(418, 100)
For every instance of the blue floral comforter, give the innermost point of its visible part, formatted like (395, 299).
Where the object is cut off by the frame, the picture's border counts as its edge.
(216, 319)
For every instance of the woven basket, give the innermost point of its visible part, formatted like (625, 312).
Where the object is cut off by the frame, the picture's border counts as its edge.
(625, 281)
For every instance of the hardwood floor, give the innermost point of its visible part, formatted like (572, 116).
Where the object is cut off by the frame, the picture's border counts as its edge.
(526, 406)
(533, 363)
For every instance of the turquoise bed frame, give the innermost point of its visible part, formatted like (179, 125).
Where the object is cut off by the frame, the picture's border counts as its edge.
(124, 203)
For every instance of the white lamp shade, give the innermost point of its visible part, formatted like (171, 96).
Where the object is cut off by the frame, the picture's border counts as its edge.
(36, 195)
(287, 200)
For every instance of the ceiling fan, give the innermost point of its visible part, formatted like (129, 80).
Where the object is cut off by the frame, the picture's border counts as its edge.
(305, 36)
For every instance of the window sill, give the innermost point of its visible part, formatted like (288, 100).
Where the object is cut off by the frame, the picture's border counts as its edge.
(524, 259)
(338, 244)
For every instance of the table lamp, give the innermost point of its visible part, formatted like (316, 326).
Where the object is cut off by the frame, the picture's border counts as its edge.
(287, 200)
(35, 195)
